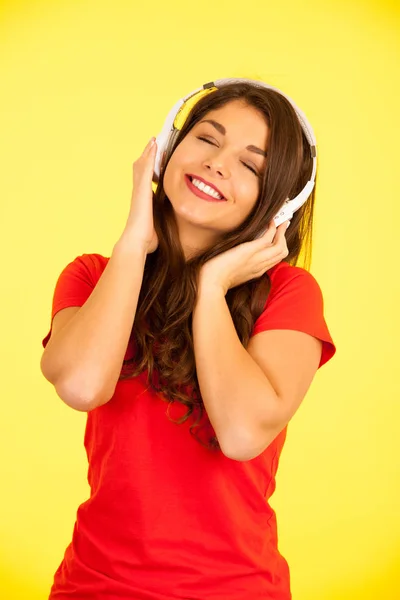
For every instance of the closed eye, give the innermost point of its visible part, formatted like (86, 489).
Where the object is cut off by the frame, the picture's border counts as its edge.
(243, 163)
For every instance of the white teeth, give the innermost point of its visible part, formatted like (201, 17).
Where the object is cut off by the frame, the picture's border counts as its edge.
(206, 189)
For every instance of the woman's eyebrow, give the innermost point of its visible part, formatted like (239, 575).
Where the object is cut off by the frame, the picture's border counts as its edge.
(219, 127)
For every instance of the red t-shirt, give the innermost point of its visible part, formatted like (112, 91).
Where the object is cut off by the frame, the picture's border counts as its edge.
(167, 518)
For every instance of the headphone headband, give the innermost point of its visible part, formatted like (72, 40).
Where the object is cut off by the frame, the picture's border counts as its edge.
(170, 130)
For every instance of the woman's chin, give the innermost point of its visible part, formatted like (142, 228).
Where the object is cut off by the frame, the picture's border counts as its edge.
(193, 215)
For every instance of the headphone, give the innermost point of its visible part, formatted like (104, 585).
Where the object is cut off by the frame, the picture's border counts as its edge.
(175, 120)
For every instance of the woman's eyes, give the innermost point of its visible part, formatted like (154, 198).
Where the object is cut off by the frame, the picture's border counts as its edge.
(243, 163)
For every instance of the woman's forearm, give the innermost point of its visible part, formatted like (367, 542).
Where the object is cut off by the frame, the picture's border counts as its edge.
(237, 395)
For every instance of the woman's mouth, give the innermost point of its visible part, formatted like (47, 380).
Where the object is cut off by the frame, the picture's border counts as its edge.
(203, 191)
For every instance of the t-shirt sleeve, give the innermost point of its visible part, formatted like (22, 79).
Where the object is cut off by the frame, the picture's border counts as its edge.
(74, 285)
(295, 301)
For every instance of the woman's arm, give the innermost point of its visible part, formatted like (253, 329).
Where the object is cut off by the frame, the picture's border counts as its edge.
(237, 396)
(245, 409)
(83, 360)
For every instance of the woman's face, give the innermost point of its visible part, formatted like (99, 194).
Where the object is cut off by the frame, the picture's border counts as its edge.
(225, 151)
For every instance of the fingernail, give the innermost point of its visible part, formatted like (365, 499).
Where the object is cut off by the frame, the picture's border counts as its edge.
(287, 224)
(152, 140)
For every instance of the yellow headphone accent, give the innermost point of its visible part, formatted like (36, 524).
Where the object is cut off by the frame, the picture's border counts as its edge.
(187, 106)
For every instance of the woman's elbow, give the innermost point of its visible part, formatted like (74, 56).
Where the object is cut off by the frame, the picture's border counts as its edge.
(78, 401)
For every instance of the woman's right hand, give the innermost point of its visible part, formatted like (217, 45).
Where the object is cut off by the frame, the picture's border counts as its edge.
(139, 229)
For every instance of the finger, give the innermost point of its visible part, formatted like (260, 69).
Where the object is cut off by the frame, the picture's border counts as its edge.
(153, 152)
(152, 157)
(280, 233)
(276, 248)
(280, 243)
(149, 158)
(150, 145)
(267, 236)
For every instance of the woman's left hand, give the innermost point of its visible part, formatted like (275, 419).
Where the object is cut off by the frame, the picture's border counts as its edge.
(246, 261)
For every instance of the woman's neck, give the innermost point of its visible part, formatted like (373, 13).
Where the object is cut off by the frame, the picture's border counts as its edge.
(194, 239)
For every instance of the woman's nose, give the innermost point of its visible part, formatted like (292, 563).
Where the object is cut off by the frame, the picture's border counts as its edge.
(218, 165)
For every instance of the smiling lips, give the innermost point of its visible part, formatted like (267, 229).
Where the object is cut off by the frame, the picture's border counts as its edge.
(209, 192)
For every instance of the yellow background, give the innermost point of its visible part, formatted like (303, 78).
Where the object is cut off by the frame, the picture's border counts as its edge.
(84, 86)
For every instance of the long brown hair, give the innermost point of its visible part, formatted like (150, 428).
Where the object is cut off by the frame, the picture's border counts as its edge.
(162, 330)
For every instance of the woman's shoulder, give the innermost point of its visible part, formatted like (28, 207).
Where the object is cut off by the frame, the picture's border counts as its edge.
(94, 263)
(283, 272)
(287, 279)
(98, 260)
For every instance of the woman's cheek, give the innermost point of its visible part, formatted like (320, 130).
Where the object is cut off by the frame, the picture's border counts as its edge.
(247, 196)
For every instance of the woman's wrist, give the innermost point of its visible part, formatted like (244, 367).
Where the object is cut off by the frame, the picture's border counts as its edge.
(128, 243)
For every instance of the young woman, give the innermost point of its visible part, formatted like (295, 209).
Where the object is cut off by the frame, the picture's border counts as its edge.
(190, 349)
